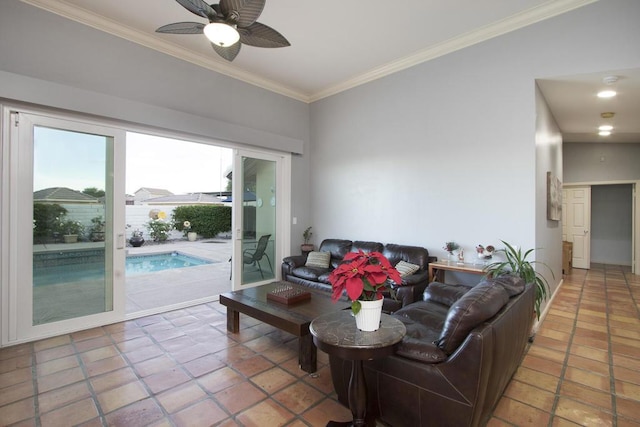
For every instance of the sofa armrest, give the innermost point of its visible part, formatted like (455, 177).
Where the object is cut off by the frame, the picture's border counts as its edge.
(412, 288)
(291, 262)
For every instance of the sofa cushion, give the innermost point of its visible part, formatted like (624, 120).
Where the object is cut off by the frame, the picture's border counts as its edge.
(406, 268)
(479, 304)
(444, 294)
(309, 273)
(359, 245)
(423, 321)
(318, 259)
(338, 247)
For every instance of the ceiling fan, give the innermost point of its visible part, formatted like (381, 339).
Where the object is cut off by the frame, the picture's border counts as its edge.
(231, 24)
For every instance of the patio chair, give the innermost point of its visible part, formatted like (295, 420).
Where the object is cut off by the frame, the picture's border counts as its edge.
(253, 256)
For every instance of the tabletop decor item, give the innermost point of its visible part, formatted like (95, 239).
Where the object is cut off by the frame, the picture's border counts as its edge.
(485, 252)
(364, 276)
(451, 247)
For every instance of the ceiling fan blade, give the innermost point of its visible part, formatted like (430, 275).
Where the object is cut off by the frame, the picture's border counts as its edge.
(229, 53)
(260, 35)
(228, 6)
(198, 7)
(182, 28)
(250, 12)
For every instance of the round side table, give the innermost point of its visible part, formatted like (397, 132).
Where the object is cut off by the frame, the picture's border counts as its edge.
(336, 334)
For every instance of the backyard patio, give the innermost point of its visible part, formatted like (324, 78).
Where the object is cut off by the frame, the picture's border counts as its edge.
(162, 288)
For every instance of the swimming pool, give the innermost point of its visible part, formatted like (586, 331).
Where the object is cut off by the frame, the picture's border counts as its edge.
(135, 265)
(142, 264)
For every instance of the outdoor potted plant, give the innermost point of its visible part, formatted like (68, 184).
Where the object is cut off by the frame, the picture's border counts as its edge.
(306, 247)
(97, 229)
(71, 230)
(136, 239)
(191, 235)
(516, 262)
(364, 277)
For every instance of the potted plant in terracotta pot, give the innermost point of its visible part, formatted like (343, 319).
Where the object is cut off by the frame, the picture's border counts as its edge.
(306, 247)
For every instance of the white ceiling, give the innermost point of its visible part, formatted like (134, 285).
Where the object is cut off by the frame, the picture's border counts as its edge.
(338, 44)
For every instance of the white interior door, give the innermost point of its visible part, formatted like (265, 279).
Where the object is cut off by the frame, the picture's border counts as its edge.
(66, 252)
(261, 210)
(579, 224)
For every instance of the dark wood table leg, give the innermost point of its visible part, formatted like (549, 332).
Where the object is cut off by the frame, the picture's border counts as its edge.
(357, 393)
(307, 354)
(357, 398)
(233, 320)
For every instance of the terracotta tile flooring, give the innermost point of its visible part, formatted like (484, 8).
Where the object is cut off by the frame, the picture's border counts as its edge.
(182, 369)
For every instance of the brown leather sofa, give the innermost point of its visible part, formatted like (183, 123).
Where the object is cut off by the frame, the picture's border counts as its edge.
(294, 269)
(462, 347)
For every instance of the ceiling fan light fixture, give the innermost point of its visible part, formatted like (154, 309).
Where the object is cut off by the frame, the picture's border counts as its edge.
(221, 34)
(604, 133)
(607, 94)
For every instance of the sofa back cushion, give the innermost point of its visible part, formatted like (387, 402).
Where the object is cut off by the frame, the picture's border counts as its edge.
(366, 246)
(514, 285)
(481, 303)
(412, 254)
(338, 248)
(444, 294)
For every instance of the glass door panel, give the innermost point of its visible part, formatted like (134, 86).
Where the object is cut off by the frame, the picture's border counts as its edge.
(261, 186)
(258, 219)
(63, 194)
(71, 273)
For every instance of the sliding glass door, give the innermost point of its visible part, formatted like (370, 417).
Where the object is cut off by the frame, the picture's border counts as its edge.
(67, 268)
(259, 217)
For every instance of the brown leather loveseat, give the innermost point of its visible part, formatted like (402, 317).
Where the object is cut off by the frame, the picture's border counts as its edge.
(294, 268)
(462, 347)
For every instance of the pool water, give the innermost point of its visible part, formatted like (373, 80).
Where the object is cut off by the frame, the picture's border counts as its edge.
(142, 264)
(134, 265)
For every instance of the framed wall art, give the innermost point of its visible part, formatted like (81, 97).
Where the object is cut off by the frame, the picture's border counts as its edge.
(554, 197)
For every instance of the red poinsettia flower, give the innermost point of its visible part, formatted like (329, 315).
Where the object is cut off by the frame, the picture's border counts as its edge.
(365, 277)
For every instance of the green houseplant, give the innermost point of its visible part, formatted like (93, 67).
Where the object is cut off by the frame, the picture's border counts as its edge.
(306, 236)
(516, 262)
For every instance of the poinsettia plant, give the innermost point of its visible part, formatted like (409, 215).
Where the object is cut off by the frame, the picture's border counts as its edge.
(364, 276)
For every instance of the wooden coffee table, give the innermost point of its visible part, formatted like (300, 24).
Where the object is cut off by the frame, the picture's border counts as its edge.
(294, 318)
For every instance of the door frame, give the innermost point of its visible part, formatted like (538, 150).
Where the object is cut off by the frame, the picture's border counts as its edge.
(635, 221)
(17, 303)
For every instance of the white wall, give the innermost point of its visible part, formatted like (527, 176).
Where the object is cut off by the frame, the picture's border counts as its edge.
(598, 162)
(451, 149)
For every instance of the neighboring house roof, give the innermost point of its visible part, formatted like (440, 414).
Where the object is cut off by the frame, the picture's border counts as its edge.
(62, 195)
(155, 191)
(184, 199)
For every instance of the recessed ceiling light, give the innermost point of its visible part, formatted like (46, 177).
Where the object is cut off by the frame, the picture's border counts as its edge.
(607, 94)
(604, 133)
(605, 127)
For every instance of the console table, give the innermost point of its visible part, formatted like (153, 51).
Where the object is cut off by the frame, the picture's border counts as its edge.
(336, 334)
(437, 269)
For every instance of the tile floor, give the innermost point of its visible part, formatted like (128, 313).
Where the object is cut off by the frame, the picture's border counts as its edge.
(182, 369)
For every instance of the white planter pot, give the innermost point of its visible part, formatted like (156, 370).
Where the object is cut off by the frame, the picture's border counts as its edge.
(70, 238)
(192, 236)
(368, 318)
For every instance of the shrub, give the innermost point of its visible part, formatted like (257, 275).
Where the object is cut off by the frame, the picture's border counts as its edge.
(46, 218)
(206, 220)
(159, 229)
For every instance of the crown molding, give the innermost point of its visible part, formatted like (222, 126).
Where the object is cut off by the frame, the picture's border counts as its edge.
(547, 10)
